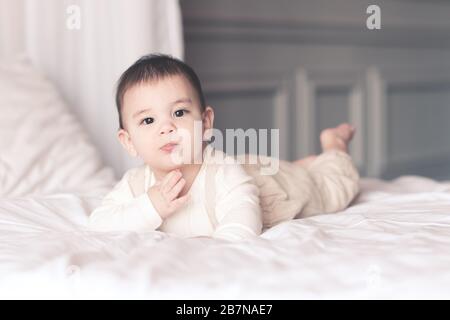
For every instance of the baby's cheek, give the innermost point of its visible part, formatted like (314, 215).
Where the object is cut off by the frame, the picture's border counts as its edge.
(196, 153)
(183, 154)
(147, 153)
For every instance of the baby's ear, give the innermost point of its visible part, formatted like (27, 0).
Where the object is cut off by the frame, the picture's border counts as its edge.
(208, 122)
(127, 144)
(208, 118)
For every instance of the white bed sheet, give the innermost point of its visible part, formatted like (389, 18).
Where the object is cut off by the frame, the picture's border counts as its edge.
(393, 242)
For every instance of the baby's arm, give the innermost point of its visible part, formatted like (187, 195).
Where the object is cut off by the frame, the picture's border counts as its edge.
(121, 211)
(237, 209)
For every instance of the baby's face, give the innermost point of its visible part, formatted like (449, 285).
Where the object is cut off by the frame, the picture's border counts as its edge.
(161, 112)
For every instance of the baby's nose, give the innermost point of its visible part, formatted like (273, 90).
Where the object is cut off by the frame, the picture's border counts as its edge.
(167, 130)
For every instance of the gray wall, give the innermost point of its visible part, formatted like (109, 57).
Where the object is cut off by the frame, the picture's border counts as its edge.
(301, 66)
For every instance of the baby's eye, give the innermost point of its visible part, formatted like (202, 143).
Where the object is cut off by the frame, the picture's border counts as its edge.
(180, 113)
(147, 121)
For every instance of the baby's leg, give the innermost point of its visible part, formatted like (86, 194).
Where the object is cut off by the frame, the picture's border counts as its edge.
(331, 139)
(333, 173)
(305, 162)
(335, 182)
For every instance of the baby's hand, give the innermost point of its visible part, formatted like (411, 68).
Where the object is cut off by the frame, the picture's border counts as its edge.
(164, 194)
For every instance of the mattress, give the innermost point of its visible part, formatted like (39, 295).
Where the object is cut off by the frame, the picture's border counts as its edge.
(392, 242)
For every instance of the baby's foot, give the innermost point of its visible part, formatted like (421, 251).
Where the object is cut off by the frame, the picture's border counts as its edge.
(337, 138)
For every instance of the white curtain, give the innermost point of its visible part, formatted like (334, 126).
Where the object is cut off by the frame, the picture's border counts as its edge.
(86, 62)
(11, 28)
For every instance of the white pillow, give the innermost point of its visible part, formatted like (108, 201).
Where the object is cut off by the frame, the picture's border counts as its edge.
(43, 148)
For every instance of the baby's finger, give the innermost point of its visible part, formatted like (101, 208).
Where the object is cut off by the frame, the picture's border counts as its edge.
(172, 194)
(178, 203)
(166, 178)
(170, 180)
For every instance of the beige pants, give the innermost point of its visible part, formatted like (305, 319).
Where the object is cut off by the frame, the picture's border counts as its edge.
(327, 185)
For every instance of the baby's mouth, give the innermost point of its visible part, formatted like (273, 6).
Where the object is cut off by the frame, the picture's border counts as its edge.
(169, 147)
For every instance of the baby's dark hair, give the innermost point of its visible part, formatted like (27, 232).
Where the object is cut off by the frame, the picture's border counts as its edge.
(155, 67)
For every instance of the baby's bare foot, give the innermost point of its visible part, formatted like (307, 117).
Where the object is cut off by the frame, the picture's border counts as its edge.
(337, 138)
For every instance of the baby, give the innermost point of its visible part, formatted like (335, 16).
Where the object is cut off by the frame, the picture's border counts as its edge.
(158, 98)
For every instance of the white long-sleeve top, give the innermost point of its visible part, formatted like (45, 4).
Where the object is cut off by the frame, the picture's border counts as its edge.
(237, 207)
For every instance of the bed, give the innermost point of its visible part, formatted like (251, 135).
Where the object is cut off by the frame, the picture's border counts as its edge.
(392, 242)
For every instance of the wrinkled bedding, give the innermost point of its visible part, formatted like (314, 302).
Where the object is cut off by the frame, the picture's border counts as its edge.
(393, 242)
